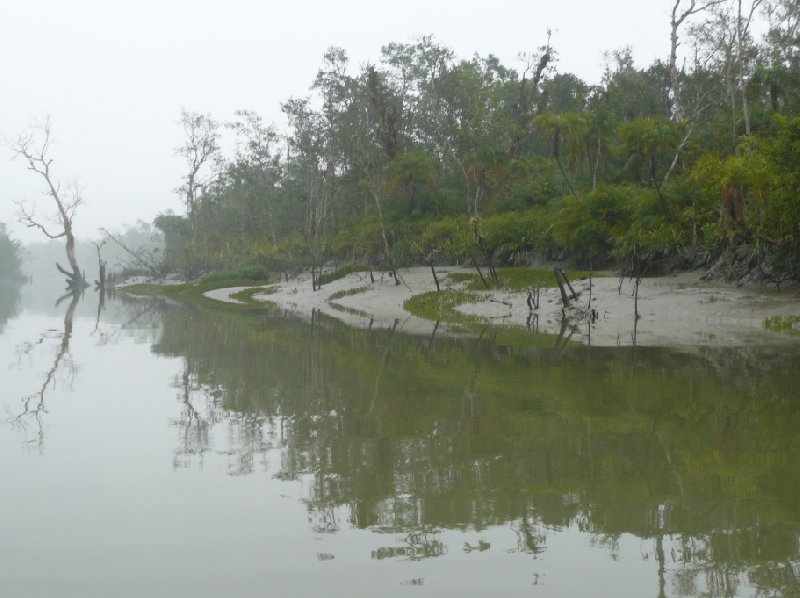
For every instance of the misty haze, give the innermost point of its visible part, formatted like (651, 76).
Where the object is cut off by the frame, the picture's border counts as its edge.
(434, 299)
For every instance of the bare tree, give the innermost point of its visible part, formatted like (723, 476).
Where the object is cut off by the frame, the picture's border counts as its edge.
(101, 265)
(744, 18)
(34, 148)
(201, 152)
(679, 16)
(142, 258)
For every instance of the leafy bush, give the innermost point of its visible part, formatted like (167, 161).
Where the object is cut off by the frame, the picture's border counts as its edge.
(587, 226)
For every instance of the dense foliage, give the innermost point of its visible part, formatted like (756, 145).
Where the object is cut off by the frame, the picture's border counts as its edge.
(423, 157)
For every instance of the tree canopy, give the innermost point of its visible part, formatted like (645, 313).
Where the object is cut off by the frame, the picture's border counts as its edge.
(382, 158)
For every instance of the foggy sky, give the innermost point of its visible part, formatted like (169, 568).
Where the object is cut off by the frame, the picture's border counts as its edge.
(114, 75)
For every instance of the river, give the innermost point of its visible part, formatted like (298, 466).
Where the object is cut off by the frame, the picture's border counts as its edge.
(154, 449)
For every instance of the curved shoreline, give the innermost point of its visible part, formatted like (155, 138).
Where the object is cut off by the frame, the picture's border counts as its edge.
(677, 310)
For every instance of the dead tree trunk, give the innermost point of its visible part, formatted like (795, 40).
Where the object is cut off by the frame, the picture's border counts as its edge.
(533, 298)
(569, 285)
(478, 268)
(34, 149)
(480, 242)
(564, 297)
(435, 278)
(101, 266)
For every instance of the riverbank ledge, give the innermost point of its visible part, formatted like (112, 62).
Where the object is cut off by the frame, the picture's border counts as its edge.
(675, 310)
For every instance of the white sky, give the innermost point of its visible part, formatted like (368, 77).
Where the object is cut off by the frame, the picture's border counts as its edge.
(113, 75)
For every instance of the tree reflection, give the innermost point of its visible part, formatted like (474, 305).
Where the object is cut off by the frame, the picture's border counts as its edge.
(408, 436)
(416, 546)
(9, 301)
(193, 425)
(33, 407)
(200, 412)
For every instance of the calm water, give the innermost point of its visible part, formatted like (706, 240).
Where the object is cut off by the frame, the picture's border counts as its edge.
(161, 450)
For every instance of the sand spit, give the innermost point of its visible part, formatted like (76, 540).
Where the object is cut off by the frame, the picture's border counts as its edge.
(678, 310)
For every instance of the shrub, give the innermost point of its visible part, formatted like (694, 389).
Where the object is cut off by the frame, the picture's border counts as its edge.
(247, 272)
(586, 226)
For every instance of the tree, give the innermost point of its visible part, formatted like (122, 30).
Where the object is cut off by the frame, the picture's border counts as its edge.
(679, 16)
(252, 177)
(201, 152)
(651, 141)
(311, 173)
(779, 71)
(725, 43)
(34, 148)
(744, 19)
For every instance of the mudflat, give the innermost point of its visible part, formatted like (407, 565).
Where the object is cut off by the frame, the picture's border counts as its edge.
(674, 310)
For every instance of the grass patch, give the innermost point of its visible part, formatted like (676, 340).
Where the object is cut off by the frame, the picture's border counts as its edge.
(441, 306)
(193, 292)
(251, 273)
(783, 324)
(347, 293)
(343, 308)
(514, 279)
(246, 295)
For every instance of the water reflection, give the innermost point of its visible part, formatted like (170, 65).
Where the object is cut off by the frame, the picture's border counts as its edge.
(9, 301)
(694, 453)
(28, 418)
(691, 457)
(33, 406)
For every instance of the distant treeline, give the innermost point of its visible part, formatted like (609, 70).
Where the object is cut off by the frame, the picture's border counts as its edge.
(426, 157)
(143, 246)
(10, 257)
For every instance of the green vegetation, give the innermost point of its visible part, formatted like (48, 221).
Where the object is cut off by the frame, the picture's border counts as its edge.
(783, 324)
(347, 293)
(193, 293)
(441, 306)
(422, 157)
(246, 295)
(252, 272)
(407, 433)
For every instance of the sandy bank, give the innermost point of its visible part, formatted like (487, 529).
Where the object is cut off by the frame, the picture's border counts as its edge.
(677, 310)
